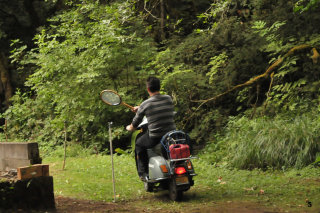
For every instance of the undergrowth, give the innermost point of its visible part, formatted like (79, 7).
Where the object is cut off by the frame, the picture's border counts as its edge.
(264, 142)
(72, 150)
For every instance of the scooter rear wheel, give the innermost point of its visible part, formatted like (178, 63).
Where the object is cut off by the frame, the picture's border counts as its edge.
(148, 186)
(174, 193)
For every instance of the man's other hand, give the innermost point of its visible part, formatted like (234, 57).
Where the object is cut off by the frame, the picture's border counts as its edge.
(130, 128)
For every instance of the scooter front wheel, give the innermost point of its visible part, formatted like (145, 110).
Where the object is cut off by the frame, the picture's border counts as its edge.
(174, 193)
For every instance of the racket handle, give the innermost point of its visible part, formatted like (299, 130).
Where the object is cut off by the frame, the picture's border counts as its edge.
(127, 105)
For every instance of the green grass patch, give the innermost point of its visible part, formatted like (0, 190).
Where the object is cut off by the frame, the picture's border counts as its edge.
(90, 177)
(273, 187)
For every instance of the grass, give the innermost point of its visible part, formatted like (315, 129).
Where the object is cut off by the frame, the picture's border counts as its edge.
(281, 188)
(90, 177)
(274, 142)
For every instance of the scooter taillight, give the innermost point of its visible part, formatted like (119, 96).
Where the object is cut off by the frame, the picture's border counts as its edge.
(180, 170)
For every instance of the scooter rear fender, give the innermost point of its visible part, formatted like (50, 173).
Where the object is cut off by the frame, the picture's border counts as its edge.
(155, 172)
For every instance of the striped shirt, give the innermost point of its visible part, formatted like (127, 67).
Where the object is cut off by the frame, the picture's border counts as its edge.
(159, 112)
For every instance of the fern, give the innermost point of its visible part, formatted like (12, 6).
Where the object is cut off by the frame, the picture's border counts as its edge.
(216, 63)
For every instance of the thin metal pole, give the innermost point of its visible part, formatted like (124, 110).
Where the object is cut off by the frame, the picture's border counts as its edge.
(111, 152)
(65, 145)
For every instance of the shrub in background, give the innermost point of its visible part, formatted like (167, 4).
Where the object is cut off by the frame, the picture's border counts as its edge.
(278, 142)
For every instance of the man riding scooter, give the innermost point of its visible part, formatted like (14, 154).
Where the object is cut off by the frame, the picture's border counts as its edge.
(159, 111)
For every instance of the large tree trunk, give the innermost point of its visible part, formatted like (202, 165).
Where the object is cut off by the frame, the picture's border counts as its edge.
(5, 83)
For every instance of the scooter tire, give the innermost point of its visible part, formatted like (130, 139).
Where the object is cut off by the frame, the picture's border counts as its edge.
(174, 193)
(148, 186)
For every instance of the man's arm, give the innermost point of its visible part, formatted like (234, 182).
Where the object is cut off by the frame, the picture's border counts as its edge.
(139, 115)
(131, 127)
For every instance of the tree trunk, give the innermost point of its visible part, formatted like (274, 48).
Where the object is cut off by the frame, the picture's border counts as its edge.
(28, 4)
(5, 83)
(162, 20)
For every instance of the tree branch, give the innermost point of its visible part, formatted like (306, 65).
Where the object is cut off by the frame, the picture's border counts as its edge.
(255, 79)
(145, 8)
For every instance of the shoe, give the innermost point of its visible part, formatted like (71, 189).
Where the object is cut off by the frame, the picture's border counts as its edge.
(144, 177)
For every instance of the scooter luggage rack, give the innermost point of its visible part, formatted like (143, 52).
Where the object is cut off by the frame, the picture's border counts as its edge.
(182, 159)
(175, 137)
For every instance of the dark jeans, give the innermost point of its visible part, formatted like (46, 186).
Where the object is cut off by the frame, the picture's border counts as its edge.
(143, 143)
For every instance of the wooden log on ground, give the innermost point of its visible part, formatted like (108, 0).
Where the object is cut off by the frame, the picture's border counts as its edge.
(27, 195)
(37, 170)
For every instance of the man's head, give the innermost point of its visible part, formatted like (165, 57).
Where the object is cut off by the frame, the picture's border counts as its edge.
(153, 84)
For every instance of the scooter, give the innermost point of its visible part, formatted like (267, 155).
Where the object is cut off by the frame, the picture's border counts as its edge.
(170, 167)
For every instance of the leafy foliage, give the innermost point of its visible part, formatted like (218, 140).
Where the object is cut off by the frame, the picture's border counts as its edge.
(240, 43)
(304, 5)
(217, 62)
(85, 50)
(93, 46)
(292, 80)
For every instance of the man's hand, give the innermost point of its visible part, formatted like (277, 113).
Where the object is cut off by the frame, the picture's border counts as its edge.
(135, 109)
(130, 128)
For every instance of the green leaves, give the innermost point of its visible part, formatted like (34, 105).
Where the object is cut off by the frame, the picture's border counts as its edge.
(94, 46)
(217, 62)
(305, 5)
(274, 42)
(86, 49)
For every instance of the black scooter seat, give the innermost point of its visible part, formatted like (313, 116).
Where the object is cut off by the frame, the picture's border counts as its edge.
(155, 151)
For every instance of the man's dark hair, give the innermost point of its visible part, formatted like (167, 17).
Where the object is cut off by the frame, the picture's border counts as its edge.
(153, 84)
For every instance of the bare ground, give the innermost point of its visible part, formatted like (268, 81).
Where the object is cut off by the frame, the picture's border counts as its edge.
(64, 204)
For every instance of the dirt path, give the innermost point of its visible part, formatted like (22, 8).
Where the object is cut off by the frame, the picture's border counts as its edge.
(64, 204)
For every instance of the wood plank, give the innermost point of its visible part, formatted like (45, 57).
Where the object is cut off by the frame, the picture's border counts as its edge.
(36, 170)
(45, 170)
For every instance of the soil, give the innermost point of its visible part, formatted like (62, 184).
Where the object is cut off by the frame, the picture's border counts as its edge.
(64, 204)
(71, 205)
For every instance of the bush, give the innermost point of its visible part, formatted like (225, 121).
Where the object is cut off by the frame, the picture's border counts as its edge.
(84, 50)
(273, 142)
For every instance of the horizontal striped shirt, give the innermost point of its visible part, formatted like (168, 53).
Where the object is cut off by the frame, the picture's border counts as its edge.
(159, 112)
